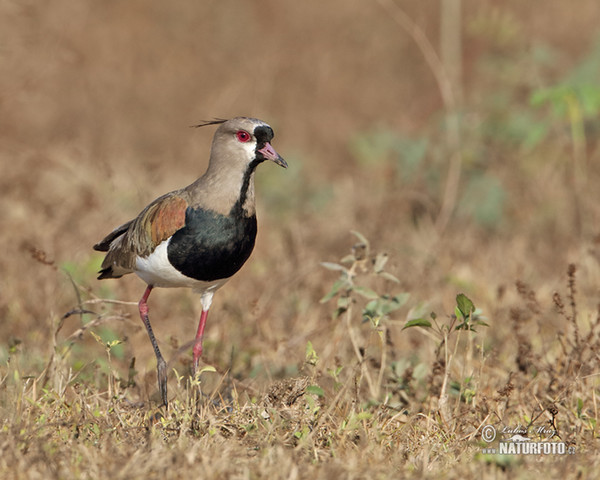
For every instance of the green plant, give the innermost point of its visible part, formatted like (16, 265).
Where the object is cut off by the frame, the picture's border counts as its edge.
(350, 289)
(465, 314)
(465, 318)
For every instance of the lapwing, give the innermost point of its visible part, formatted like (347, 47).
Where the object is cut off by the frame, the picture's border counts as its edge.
(198, 236)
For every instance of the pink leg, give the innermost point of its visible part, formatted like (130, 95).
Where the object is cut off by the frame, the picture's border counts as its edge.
(161, 365)
(198, 342)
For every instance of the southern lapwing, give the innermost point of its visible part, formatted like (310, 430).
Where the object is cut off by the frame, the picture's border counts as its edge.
(198, 236)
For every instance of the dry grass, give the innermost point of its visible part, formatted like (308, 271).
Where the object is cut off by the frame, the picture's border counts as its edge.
(94, 110)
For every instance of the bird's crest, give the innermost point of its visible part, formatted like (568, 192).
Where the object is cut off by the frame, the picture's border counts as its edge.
(206, 123)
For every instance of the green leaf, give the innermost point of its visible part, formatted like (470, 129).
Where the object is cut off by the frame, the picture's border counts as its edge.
(371, 308)
(366, 292)
(388, 276)
(334, 266)
(380, 261)
(348, 259)
(417, 322)
(383, 306)
(465, 305)
(315, 390)
(399, 300)
(335, 288)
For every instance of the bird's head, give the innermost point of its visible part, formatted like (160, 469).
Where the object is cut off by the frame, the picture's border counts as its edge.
(243, 141)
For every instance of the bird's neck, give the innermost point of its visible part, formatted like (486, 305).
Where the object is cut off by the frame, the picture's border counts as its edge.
(224, 190)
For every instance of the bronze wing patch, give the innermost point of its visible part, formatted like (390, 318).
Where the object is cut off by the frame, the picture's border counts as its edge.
(166, 218)
(159, 220)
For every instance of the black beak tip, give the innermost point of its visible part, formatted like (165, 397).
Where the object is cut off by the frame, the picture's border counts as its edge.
(280, 161)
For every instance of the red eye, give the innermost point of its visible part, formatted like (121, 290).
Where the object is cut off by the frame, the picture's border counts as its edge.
(242, 136)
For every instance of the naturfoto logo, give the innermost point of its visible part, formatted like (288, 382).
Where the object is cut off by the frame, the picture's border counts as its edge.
(517, 441)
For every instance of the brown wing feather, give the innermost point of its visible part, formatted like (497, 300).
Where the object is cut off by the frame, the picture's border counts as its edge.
(166, 219)
(157, 222)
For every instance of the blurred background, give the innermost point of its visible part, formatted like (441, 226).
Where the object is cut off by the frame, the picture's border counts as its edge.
(459, 137)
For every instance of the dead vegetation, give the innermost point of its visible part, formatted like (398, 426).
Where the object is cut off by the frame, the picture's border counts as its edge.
(310, 371)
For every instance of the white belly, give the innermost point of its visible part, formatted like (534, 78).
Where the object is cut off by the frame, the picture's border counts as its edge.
(156, 270)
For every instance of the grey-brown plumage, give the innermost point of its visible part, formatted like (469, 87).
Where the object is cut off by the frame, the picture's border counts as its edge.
(200, 235)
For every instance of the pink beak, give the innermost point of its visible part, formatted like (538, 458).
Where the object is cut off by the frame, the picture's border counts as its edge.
(270, 154)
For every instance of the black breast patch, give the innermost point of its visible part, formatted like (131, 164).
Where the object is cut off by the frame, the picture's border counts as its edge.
(212, 246)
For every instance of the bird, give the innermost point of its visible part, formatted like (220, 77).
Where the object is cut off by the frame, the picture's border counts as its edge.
(199, 236)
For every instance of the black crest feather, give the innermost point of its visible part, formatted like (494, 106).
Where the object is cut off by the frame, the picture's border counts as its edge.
(205, 123)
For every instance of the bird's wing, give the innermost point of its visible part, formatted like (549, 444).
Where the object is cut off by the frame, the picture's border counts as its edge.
(162, 219)
(140, 236)
(104, 244)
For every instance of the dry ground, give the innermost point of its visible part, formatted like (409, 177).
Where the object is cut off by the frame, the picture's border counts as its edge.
(95, 103)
